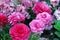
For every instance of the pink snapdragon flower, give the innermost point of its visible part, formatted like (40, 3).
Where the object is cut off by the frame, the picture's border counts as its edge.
(27, 3)
(19, 32)
(37, 26)
(20, 8)
(54, 2)
(35, 1)
(40, 7)
(16, 17)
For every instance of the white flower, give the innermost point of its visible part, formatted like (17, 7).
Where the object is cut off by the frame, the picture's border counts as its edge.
(57, 14)
(54, 2)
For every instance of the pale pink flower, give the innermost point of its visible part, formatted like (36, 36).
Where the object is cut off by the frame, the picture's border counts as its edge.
(57, 14)
(54, 2)
(20, 8)
(37, 26)
(35, 1)
(27, 3)
(46, 17)
(3, 1)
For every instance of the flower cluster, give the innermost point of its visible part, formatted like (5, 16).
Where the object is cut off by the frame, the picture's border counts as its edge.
(42, 21)
(17, 13)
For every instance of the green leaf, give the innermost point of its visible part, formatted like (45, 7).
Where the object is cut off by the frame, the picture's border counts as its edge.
(57, 24)
(34, 36)
(7, 37)
(57, 27)
(55, 39)
(16, 2)
(54, 8)
(57, 33)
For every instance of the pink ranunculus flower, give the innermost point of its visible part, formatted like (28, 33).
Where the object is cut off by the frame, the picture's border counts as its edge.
(54, 2)
(19, 32)
(3, 19)
(40, 7)
(45, 17)
(16, 17)
(37, 26)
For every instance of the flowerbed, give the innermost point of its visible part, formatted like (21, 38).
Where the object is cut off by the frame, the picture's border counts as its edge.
(29, 19)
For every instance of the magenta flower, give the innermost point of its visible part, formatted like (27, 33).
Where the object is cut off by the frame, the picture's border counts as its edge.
(19, 32)
(3, 19)
(40, 7)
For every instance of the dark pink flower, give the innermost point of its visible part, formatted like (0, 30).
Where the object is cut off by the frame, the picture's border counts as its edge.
(19, 32)
(40, 7)
(3, 19)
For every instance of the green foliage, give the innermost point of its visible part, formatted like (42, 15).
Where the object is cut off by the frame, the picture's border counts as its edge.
(57, 33)
(34, 36)
(16, 2)
(55, 39)
(57, 25)
(4, 34)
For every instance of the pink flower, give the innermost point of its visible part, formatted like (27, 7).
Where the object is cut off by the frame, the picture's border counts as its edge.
(40, 7)
(3, 19)
(45, 17)
(37, 26)
(19, 32)
(3, 1)
(16, 17)
(35, 1)
(57, 13)
(27, 3)
(54, 2)
(20, 8)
